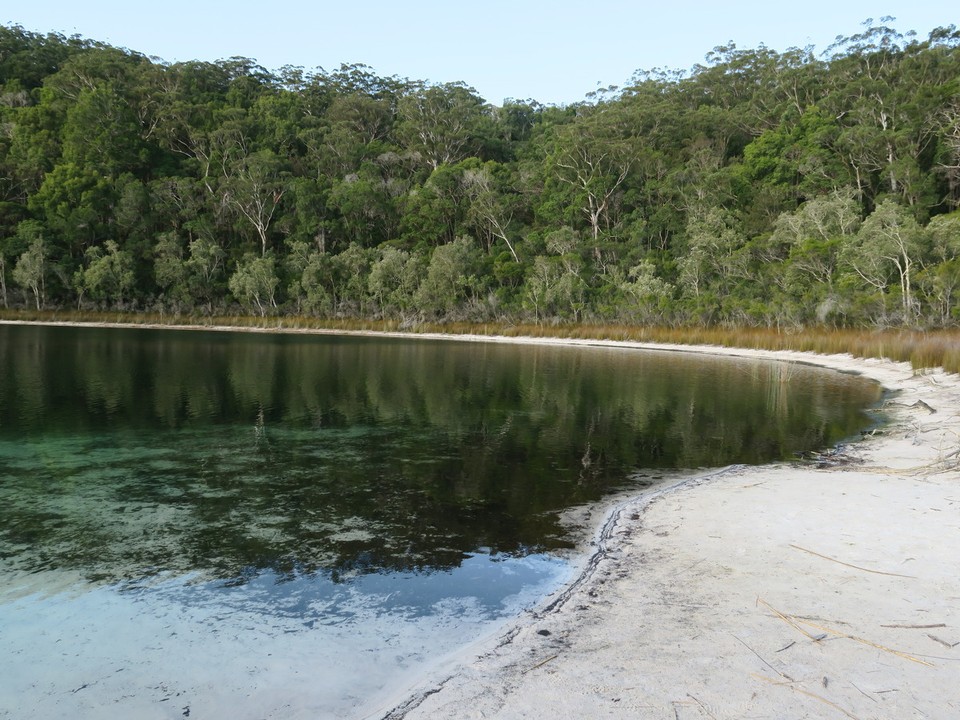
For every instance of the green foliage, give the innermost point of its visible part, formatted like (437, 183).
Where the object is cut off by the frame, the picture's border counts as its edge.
(189, 274)
(452, 279)
(649, 295)
(439, 123)
(108, 275)
(254, 284)
(393, 281)
(761, 188)
(31, 269)
(888, 248)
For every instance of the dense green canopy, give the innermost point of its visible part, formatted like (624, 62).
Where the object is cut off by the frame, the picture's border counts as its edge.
(760, 188)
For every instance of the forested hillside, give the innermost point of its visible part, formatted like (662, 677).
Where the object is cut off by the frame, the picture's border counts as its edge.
(759, 188)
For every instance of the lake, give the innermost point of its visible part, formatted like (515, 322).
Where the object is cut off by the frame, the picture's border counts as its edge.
(239, 525)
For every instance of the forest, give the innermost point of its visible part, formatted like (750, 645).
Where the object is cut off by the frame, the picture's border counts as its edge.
(757, 189)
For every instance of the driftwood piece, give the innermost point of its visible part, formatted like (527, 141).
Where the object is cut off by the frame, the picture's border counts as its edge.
(923, 406)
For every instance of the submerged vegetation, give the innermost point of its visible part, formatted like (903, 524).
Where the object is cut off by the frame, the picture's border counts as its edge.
(763, 191)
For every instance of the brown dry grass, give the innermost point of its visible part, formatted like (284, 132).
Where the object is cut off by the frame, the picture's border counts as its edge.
(922, 349)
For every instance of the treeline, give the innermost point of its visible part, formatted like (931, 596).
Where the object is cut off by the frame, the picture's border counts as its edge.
(759, 188)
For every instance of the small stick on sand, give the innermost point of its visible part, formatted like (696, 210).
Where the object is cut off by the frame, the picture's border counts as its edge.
(786, 619)
(783, 675)
(808, 694)
(942, 642)
(866, 695)
(540, 664)
(789, 619)
(898, 653)
(916, 627)
(855, 567)
(702, 706)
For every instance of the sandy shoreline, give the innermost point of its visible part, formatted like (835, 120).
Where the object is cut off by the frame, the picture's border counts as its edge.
(781, 591)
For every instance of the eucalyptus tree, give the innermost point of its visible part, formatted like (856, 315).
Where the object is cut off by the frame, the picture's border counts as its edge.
(788, 164)
(235, 126)
(351, 272)
(589, 162)
(108, 274)
(93, 136)
(359, 79)
(885, 88)
(190, 100)
(492, 208)
(889, 244)
(31, 147)
(515, 122)
(743, 87)
(948, 162)
(656, 110)
(365, 203)
(436, 212)
(28, 58)
(568, 295)
(107, 96)
(360, 120)
(555, 285)
(393, 280)
(944, 235)
(453, 279)
(170, 271)
(30, 271)
(648, 295)
(254, 283)
(809, 244)
(74, 203)
(439, 122)
(542, 277)
(312, 273)
(252, 186)
(189, 272)
(711, 263)
(940, 280)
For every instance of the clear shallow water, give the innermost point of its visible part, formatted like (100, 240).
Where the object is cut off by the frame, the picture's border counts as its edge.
(270, 647)
(254, 526)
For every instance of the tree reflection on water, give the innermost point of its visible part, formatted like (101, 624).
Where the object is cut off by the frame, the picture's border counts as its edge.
(128, 453)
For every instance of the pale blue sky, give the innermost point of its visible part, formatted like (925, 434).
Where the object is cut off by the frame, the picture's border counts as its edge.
(552, 51)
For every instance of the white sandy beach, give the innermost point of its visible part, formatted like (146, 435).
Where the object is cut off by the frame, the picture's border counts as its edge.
(785, 591)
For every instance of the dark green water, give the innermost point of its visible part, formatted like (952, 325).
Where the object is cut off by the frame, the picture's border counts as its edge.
(128, 452)
(318, 480)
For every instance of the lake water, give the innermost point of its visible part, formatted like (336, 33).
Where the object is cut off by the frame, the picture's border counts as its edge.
(234, 525)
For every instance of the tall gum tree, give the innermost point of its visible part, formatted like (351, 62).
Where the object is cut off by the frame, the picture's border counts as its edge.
(941, 281)
(490, 205)
(889, 239)
(809, 243)
(593, 159)
(31, 269)
(253, 186)
(437, 121)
